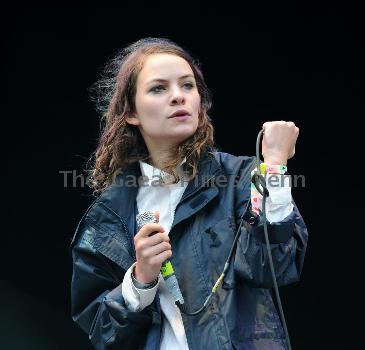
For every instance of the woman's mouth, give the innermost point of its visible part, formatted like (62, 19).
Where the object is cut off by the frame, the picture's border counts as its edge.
(181, 117)
(180, 114)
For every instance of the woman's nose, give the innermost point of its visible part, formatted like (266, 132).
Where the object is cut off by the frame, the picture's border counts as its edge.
(177, 96)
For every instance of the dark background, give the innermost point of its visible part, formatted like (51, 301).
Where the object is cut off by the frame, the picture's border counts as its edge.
(262, 62)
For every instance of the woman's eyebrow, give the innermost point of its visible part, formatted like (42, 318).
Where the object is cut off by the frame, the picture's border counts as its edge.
(164, 80)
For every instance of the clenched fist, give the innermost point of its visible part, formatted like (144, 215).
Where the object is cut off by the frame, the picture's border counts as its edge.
(278, 143)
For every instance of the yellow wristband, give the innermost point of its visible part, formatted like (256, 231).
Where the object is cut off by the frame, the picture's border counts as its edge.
(273, 169)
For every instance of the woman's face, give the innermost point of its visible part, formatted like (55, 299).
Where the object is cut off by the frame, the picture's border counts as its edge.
(165, 85)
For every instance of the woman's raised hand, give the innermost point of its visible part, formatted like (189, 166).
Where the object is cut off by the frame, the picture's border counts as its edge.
(278, 143)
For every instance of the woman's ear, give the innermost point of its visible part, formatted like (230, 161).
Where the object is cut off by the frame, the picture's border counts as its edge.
(132, 119)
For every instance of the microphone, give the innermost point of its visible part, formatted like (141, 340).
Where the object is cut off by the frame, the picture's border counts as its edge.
(167, 270)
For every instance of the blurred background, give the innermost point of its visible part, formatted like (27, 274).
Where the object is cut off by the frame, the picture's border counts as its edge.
(280, 61)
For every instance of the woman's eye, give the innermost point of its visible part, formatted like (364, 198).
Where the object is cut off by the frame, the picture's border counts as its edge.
(189, 85)
(157, 88)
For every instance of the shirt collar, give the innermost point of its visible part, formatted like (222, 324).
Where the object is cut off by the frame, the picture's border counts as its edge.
(153, 173)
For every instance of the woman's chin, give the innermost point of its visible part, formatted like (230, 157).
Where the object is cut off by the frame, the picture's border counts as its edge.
(183, 136)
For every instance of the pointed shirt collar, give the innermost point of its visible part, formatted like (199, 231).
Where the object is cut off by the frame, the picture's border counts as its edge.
(154, 174)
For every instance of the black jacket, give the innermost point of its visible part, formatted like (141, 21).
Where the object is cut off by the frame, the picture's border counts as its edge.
(242, 314)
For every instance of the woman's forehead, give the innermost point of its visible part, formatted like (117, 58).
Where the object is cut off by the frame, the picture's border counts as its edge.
(163, 67)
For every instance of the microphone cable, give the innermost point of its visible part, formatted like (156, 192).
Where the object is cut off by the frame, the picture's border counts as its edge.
(258, 180)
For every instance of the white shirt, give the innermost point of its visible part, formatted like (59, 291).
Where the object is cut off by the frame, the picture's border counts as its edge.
(165, 199)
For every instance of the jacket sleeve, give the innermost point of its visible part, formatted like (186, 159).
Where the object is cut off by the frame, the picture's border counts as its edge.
(97, 304)
(288, 240)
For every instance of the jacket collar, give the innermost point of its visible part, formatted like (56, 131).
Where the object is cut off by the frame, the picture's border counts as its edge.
(120, 197)
(208, 168)
(200, 190)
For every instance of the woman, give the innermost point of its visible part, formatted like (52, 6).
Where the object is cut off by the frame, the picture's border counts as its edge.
(156, 152)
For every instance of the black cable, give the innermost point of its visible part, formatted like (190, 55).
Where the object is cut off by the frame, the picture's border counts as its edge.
(255, 179)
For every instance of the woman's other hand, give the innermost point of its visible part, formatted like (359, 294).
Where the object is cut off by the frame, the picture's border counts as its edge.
(152, 249)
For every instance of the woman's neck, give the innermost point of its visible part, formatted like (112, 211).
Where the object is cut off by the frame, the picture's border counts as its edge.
(160, 158)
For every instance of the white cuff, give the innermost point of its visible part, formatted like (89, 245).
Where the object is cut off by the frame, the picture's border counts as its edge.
(279, 203)
(279, 188)
(136, 299)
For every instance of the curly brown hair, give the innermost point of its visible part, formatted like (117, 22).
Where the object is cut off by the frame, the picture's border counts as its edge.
(121, 144)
